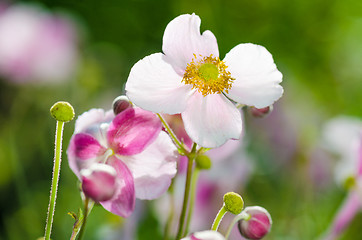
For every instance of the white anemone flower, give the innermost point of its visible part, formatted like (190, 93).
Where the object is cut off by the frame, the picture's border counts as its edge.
(189, 78)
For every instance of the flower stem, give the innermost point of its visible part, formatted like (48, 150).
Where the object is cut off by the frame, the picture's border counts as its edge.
(194, 178)
(242, 215)
(181, 223)
(55, 179)
(171, 213)
(86, 212)
(218, 218)
(173, 136)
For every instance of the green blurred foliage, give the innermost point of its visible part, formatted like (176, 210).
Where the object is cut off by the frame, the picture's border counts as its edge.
(315, 44)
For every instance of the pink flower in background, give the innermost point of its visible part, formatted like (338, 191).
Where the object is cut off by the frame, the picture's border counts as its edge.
(189, 78)
(343, 136)
(35, 45)
(120, 158)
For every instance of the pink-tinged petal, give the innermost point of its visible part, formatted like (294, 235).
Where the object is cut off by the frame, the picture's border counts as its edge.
(182, 39)
(91, 118)
(211, 120)
(345, 215)
(99, 182)
(205, 235)
(83, 151)
(256, 76)
(132, 130)
(123, 202)
(154, 85)
(153, 168)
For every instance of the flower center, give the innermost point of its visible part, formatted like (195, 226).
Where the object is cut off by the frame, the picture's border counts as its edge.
(208, 75)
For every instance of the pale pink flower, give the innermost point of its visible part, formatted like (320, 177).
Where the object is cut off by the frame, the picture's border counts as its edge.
(205, 235)
(36, 45)
(189, 78)
(142, 157)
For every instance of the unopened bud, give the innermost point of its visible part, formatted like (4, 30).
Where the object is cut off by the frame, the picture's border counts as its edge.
(260, 112)
(233, 202)
(203, 162)
(120, 104)
(256, 224)
(99, 182)
(62, 111)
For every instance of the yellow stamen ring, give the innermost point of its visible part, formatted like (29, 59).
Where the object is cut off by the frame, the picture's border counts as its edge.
(208, 75)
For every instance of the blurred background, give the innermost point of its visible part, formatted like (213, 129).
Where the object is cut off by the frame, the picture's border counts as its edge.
(82, 51)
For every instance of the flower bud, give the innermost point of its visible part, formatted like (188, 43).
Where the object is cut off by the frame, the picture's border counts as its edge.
(203, 162)
(257, 223)
(120, 104)
(233, 202)
(62, 111)
(260, 112)
(99, 182)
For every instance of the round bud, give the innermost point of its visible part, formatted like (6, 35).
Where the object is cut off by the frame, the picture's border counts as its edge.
(62, 111)
(99, 182)
(260, 112)
(203, 162)
(233, 202)
(257, 224)
(120, 104)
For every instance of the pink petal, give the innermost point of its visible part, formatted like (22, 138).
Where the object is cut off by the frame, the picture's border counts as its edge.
(132, 130)
(99, 182)
(182, 39)
(211, 120)
(256, 76)
(123, 202)
(153, 168)
(205, 235)
(154, 85)
(82, 151)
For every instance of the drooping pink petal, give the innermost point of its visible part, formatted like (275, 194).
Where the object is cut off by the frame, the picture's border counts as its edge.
(153, 168)
(256, 76)
(182, 39)
(123, 202)
(205, 235)
(154, 85)
(99, 182)
(345, 215)
(132, 130)
(82, 151)
(211, 120)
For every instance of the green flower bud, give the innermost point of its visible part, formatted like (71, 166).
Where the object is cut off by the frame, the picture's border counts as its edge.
(62, 111)
(203, 162)
(233, 203)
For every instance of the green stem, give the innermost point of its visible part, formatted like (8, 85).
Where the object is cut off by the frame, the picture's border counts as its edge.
(171, 213)
(194, 178)
(173, 136)
(86, 210)
(181, 223)
(218, 218)
(242, 215)
(55, 179)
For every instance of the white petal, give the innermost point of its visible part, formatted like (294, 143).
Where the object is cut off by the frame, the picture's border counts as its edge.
(153, 168)
(182, 39)
(205, 235)
(154, 85)
(210, 121)
(256, 76)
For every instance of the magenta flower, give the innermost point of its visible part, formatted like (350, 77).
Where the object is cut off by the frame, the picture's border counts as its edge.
(205, 235)
(35, 45)
(189, 78)
(257, 224)
(138, 158)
